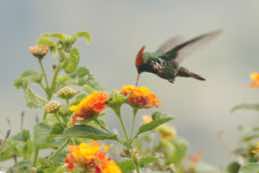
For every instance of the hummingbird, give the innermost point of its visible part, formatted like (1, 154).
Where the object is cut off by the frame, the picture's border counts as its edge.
(166, 61)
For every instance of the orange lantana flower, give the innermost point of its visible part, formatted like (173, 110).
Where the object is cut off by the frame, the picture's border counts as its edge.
(90, 157)
(141, 97)
(90, 106)
(254, 80)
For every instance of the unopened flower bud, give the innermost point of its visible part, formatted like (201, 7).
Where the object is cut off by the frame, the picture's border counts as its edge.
(52, 106)
(33, 170)
(67, 92)
(147, 119)
(39, 51)
(166, 132)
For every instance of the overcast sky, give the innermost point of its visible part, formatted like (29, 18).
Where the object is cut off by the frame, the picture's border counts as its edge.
(119, 28)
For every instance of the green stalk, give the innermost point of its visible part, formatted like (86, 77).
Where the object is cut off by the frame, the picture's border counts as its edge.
(59, 120)
(59, 150)
(102, 126)
(35, 156)
(128, 140)
(46, 89)
(135, 161)
(118, 113)
(44, 73)
(53, 83)
(135, 110)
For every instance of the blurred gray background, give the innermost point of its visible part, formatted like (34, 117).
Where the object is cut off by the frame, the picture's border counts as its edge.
(119, 28)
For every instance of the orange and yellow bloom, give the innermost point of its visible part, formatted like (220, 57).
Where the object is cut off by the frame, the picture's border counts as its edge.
(254, 80)
(90, 157)
(90, 106)
(141, 97)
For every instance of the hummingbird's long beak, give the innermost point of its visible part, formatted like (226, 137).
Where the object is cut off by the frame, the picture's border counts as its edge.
(137, 80)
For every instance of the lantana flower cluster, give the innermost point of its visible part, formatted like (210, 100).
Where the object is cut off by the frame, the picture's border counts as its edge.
(140, 96)
(94, 104)
(90, 157)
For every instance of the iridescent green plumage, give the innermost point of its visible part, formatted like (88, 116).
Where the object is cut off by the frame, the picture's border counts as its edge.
(165, 62)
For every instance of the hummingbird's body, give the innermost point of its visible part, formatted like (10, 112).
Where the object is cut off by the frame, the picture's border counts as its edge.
(165, 62)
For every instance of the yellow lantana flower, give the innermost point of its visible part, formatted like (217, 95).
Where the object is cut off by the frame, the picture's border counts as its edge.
(91, 157)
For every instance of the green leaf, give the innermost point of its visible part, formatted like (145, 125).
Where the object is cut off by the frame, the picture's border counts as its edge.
(33, 100)
(44, 40)
(72, 61)
(41, 135)
(233, 167)
(86, 131)
(127, 166)
(60, 169)
(59, 36)
(82, 71)
(174, 151)
(250, 168)
(85, 35)
(24, 166)
(8, 150)
(158, 119)
(89, 89)
(146, 161)
(22, 136)
(26, 77)
(252, 107)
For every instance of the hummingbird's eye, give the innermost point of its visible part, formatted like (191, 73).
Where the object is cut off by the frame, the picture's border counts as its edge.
(139, 57)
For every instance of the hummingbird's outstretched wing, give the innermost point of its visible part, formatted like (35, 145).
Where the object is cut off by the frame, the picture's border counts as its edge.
(179, 52)
(170, 44)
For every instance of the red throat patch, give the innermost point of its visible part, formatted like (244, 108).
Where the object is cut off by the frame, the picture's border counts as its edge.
(139, 57)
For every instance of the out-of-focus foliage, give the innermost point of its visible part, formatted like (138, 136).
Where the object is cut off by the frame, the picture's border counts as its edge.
(248, 150)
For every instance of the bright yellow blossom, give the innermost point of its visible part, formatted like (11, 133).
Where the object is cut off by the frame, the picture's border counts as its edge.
(91, 157)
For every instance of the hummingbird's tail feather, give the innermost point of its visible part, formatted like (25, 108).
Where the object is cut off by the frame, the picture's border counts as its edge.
(196, 76)
(183, 72)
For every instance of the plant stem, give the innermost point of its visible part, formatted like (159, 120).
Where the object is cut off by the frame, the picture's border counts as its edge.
(118, 113)
(35, 156)
(128, 140)
(54, 78)
(44, 115)
(135, 161)
(67, 102)
(59, 150)
(133, 122)
(44, 73)
(59, 120)
(102, 126)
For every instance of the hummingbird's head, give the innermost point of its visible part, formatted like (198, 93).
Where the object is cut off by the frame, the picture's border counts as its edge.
(139, 62)
(140, 59)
